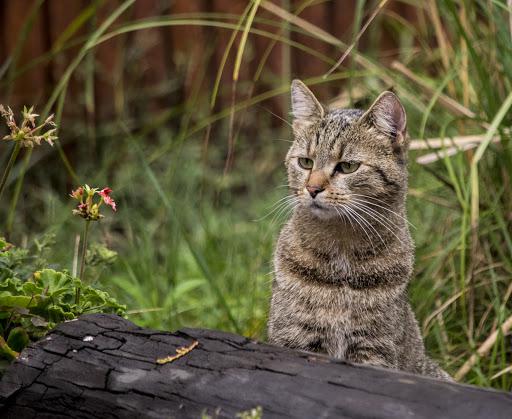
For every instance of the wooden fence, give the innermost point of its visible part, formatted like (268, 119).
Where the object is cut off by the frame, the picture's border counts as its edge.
(153, 59)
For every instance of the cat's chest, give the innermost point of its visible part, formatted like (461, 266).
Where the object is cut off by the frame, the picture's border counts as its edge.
(321, 317)
(320, 304)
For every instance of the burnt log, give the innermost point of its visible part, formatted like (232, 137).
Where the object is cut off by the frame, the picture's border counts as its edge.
(103, 366)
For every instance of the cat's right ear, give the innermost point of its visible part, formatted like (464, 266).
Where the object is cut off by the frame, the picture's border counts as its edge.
(387, 115)
(306, 109)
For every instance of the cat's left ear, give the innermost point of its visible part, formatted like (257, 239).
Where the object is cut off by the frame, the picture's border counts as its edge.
(387, 115)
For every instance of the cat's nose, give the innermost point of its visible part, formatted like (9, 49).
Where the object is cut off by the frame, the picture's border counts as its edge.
(314, 190)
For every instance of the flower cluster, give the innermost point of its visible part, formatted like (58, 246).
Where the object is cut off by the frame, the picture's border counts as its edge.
(28, 133)
(87, 208)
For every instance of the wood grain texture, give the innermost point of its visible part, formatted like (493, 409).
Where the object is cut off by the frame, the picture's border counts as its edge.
(102, 366)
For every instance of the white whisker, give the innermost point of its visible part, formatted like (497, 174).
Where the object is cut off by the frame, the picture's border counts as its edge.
(357, 217)
(365, 210)
(382, 206)
(342, 210)
(377, 214)
(278, 205)
(364, 220)
(275, 115)
(285, 208)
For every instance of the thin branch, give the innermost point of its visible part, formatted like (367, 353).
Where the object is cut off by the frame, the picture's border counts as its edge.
(459, 141)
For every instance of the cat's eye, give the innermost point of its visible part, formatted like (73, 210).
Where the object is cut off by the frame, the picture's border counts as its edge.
(347, 167)
(305, 163)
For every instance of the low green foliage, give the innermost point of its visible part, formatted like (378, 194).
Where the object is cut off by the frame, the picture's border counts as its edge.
(34, 301)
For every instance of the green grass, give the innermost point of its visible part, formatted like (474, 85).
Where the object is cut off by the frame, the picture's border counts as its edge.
(195, 243)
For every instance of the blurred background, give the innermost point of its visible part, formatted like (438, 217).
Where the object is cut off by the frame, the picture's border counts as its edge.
(182, 108)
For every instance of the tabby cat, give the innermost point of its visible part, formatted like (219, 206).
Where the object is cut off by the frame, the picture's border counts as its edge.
(344, 259)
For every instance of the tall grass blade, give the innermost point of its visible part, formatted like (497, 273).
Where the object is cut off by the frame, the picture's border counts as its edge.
(491, 132)
(243, 40)
(225, 55)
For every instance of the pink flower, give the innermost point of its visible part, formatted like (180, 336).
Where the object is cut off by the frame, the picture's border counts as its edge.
(78, 193)
(88, 207)
(105, 194)
(106, 191)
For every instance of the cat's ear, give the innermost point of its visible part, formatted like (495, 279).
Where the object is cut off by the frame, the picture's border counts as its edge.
(306, 109)
(387, 115)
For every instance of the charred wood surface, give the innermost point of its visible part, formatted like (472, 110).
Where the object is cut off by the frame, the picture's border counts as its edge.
(103, 366)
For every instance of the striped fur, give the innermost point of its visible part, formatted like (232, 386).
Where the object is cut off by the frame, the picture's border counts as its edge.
(344, 259)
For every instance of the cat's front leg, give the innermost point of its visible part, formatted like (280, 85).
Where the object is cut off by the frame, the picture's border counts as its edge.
(371, 353)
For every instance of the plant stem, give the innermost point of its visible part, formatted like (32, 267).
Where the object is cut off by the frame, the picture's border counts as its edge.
(10, 164)
(17, 191)
(82, 262)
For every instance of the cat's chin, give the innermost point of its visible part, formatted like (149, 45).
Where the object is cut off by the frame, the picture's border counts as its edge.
(322, 212)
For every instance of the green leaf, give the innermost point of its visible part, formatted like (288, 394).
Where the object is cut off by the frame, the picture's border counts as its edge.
(9, 300)
(18, 339)
(94, 300)
(11, 285)
(33, 301)
(55, 283)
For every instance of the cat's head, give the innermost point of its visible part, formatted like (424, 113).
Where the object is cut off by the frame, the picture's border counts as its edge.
(344, 158)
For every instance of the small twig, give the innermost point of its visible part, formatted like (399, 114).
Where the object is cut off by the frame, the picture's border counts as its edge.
(455, 142)
(502, 372)
(179, 353)
(483, 349)
(462, 145)
(74, 269)
(433, 157)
